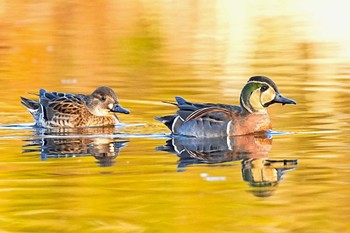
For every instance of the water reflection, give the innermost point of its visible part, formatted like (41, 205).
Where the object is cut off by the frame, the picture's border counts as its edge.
(65, 143)
(262, 173)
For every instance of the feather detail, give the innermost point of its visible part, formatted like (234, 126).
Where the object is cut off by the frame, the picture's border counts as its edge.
(213, 113)
(57, 109)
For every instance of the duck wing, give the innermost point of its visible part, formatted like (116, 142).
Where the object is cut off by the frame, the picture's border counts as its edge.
(189, 111)
(66, 105)
(194, 117)
(61, 108)
(46, 97)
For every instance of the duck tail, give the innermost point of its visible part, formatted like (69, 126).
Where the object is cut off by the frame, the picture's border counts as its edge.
(32, 93)
(168, 147)
(173, 122)
(31, 105)
(168, 102)
(167, 120)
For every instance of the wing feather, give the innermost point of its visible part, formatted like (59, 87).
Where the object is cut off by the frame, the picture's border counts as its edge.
(198, 116)
(211, 113)
(66, 105)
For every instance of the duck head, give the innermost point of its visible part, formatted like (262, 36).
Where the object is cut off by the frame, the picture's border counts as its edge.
(259, 93)
(103, 101)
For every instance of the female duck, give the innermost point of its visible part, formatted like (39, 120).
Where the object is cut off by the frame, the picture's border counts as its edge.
(55, 109)
(214, 120)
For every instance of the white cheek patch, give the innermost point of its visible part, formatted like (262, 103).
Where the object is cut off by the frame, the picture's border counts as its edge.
(110, 106)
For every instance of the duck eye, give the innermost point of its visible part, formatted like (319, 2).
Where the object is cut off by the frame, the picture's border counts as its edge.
(103, 98)
(264, 88)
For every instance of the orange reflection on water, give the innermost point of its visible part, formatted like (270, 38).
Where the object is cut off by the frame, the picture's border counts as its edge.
(149, 51)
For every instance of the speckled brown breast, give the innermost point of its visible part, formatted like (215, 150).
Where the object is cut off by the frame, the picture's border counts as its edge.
(83, 118)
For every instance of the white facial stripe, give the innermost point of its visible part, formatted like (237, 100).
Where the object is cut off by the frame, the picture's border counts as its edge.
(255, 101)
(264, 97)
(245, 106)
(110, 106)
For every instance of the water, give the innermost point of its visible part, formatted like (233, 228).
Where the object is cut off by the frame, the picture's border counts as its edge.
(134, 178)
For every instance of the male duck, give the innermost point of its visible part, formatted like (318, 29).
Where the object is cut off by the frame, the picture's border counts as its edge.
(55, 109)
(214, 120)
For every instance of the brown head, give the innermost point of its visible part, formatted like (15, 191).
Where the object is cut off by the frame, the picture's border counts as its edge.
(103, 101)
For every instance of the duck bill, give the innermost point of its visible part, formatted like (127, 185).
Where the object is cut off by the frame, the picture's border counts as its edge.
(120, 109)
(283, 100)
(280, 99)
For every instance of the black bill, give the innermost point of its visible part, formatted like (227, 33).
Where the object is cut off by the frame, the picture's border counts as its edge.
(280, 99)
(120, 109)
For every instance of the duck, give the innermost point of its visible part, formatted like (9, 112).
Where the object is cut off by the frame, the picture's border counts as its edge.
(217, 120)
(65, 110)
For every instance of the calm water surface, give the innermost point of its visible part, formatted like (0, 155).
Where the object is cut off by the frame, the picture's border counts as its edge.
(134, 178)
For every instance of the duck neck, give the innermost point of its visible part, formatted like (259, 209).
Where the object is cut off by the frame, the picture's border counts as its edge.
(89, 104)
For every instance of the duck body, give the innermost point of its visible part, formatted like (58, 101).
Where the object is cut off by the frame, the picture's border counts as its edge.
(57, 109)
(216, 120)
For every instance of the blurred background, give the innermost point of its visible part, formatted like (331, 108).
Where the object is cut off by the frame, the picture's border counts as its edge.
(150, 51)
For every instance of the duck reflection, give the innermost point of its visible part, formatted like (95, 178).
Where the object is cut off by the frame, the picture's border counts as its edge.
(258, 170)
(264, 174)
(64, 143)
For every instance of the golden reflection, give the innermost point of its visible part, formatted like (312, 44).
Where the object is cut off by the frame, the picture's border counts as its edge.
(262, 173)
(162, 48)
(151, 51)
(65, 143)
(265, 174)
